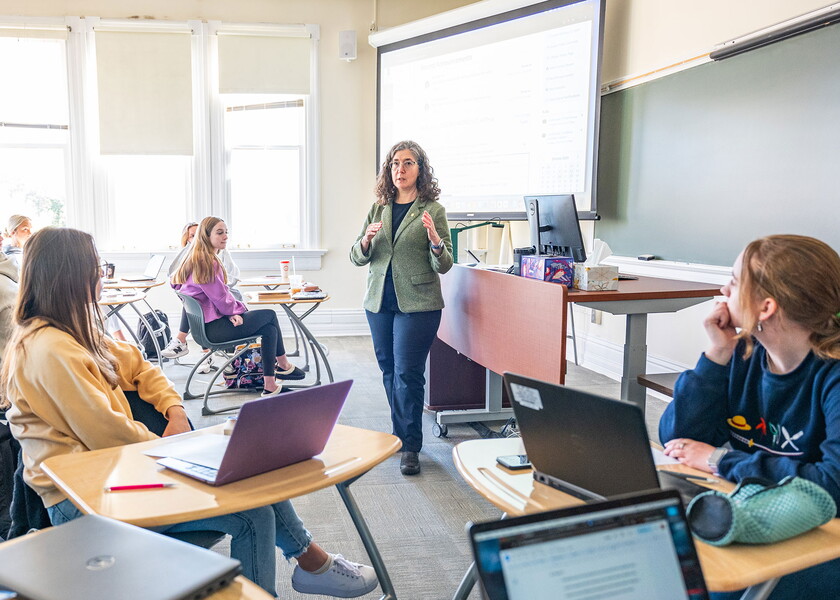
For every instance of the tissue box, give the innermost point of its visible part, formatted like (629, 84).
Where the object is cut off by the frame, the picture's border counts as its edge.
(556, 269)
(599, 278)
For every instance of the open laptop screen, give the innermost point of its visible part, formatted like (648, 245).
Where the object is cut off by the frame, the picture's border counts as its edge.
(625, 549)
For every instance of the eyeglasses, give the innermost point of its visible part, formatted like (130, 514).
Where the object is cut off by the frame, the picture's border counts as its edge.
(406, 164)
(102, 265)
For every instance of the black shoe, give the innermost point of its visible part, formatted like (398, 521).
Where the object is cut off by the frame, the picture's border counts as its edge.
(293, 374)
(410, 463)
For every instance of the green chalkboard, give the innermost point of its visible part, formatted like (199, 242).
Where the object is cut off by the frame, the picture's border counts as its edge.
(694, 165)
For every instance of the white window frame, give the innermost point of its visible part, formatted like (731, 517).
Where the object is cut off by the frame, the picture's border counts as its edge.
(86, 206)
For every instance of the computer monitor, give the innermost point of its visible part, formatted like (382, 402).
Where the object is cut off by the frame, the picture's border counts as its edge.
(555, 229)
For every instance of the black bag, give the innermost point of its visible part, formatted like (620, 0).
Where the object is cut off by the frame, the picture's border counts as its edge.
(145, 337)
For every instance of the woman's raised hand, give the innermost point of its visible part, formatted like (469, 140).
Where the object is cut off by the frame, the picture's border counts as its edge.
(370, 232)
(429, 224)
(721, 334)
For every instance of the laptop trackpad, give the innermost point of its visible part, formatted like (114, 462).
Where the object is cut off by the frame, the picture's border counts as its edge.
(204, 450)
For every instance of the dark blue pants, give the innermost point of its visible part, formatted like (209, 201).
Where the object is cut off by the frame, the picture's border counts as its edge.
(401, 342)
(817, 583)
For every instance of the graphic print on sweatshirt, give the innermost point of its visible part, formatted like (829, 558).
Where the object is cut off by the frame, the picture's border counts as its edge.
(771, 437)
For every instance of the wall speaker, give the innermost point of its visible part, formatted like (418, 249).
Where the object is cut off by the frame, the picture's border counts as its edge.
(347, 45)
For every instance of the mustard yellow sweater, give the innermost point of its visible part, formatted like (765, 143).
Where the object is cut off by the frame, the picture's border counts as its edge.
(62, 404)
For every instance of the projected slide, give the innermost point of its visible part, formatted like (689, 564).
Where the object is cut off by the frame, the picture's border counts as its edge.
(503, 111)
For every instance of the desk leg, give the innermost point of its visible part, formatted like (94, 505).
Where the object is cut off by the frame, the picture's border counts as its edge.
(467, 582)
(367, 539)
(635, 360)
(760, 591)
(318, 353)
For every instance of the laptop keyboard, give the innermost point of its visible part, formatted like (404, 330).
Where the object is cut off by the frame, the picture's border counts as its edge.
(200, 470)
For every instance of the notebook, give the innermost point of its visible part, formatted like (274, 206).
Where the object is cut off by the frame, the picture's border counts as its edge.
(631, 548)
(270, 433)
(152, 271)
(586, 445)
(101, 559)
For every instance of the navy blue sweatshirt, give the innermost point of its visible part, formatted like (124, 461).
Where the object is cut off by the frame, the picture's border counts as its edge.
(777, 425)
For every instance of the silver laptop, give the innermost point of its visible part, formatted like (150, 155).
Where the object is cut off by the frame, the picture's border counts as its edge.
(101, 559)
(270, 433)
(586, 445)
(152, 271)
(633, 548)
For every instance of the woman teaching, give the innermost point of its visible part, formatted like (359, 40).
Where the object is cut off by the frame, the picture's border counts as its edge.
(405, 241)
(203, 277)
(67, 386)
(764, 399)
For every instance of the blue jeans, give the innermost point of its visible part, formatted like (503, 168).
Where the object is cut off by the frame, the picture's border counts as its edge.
(401, 342)
(252, 540)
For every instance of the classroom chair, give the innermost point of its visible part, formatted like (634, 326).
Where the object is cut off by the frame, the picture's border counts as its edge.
(195, 316)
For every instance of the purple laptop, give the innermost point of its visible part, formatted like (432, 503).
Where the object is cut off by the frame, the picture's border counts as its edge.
(270, 433)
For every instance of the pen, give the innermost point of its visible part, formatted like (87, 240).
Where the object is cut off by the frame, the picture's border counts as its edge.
(688, 476)
(141, 486)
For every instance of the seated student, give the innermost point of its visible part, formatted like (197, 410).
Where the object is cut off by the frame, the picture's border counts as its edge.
(202, 276)
(18, 231)
(177, 346)
(768, 386)
(8, 293)
(66, 384)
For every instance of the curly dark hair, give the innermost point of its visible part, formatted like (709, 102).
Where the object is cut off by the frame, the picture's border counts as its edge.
(427, 184)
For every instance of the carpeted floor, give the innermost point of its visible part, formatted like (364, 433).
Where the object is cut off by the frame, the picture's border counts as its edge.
(418, 522)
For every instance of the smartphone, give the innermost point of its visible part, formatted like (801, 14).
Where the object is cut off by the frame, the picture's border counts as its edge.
(514, 461)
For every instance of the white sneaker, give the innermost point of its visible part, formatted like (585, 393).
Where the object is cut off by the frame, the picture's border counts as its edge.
(206, 366)
(344, 579)
(175, 349)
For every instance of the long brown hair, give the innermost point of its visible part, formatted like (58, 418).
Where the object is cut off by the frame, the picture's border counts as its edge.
(427, 183)
(802, 274)
(202, 259)
(59, 277)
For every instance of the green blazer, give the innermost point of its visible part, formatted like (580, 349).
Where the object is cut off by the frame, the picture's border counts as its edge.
(415, 267)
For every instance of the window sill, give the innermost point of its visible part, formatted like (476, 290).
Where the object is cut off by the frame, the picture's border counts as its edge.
(262, 261)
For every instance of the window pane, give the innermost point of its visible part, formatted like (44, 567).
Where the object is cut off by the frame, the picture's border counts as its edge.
(34, 80)
(32, 183)
(148, 198)
(264, 135)
(265, 197)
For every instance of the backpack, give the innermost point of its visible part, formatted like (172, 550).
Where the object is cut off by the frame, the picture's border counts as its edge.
(246, 371)
(145, 337)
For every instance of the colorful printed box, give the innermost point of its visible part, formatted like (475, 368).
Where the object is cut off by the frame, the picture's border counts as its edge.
(599, 278)
(556, 269)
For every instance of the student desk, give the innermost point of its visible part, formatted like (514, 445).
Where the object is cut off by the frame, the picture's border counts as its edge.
(272, 284)
(509, 323)
(350, 453)
(725, 568)
(240, 589)
(115, 302)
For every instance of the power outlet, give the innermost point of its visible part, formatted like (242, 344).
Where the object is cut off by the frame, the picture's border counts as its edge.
(595, 317)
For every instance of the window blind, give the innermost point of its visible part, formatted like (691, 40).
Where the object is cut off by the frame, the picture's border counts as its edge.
(264, 64)
(145, 92)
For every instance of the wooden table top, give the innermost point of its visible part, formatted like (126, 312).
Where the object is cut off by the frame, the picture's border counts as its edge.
(115, 299)
(278, 298)
(122, 284)
(726, 568)
(648, 288)
(263, 281)
(83, 477)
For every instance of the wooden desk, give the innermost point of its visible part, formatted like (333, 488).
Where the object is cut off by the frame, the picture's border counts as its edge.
(114, 303)
(725, 568)
(122, 284)
(508, 323)
(350, 453)
(240, 589)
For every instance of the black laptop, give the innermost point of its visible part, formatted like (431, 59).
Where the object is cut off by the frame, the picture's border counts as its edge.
(636, 547)
(587, 445)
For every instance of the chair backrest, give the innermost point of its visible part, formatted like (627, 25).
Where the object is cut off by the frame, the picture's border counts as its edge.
(195, 317)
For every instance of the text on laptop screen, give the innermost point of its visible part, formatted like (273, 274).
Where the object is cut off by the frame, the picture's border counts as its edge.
(626, 553)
